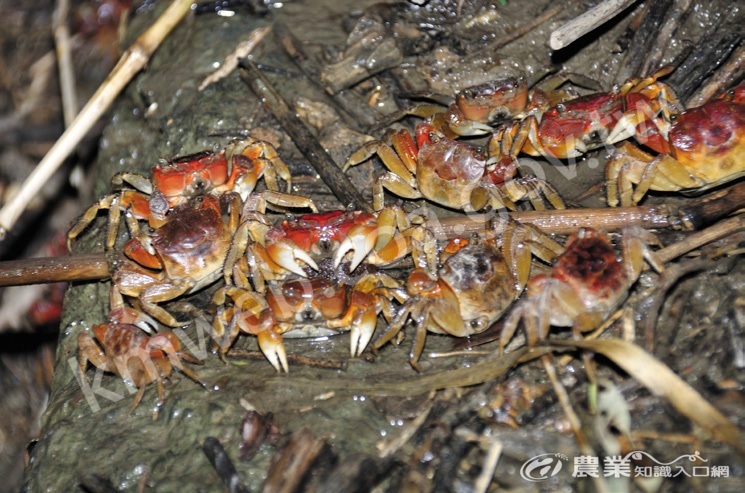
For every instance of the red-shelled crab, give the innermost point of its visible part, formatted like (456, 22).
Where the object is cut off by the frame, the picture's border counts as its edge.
(588, 281)
(236, 169)
(450, 173)
(704, 147)
(571, 128)
(477, 283)
(121, 348)
(180, 257)
(299, 242)
(304, 308)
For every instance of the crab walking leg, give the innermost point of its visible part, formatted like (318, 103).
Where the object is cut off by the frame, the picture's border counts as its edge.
(133, 60)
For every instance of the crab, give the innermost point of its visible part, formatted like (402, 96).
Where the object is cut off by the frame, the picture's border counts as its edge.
(571, 128)
(477, 108)
(299, 242)
(704, 147)
(236, 169)
(450, 173)
(477, 283)
(586, 284)
(180, 257)
(304, 308)
(122, 348)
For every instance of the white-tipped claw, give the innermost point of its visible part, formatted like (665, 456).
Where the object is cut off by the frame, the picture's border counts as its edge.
(274, 349)
(361, 333)
(624, 129)
(286, 256)
(361, 244)
(136, 318)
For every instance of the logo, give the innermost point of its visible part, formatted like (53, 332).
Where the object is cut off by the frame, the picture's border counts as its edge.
(542, 467)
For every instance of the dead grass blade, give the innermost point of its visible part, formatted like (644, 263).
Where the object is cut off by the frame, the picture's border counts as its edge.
(662, 381)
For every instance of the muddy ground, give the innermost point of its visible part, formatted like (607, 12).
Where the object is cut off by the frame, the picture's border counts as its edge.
(434, 431)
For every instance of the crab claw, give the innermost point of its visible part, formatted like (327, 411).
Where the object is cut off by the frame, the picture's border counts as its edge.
(270, 343)
(635, 124)
(122, 315)
(362, 332)
(286, 256)
(361, 240)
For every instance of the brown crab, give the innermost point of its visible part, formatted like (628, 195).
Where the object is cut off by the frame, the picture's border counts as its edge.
(476, 284)
(182, 256)
(450, 173)
(121, 348)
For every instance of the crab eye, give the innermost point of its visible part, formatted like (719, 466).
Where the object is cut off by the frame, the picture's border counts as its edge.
(561, 108)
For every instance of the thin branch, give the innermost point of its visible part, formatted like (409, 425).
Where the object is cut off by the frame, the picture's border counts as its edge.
(703, 212)
(132, 61)
(517, 33)
(331, 174)
(590, 20)
(63, 47)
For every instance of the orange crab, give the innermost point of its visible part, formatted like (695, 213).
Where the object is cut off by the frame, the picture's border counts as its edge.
(571, 128)
(476, 284)
(704, 147)
(180, 257)
(236, 169)
(120, 348)
(304, 308)
(588, 281)
(450, 173)
(299, 242)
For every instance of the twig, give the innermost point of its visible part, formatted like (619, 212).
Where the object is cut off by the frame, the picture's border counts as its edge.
(566, 405)
(353, 113)
(724, 76)
(517, 33)
(708, 54)
(644, 37)
(664, 35)
(705, 211)
(327, 169)
(230, 63)
(292, 464)
(697, 240)
(132, 61)
(592, 19)
(63, 46)
(86, 267)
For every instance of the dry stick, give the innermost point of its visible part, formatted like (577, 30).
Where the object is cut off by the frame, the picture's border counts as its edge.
(327, 169)
(87, 267)
(665, 34)
(94, 266)
(705, 211)
(590, 20)
(63, 46)
(346, 102)
(701, 238)
(721, 78)
(132, 61)
(517, 33)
